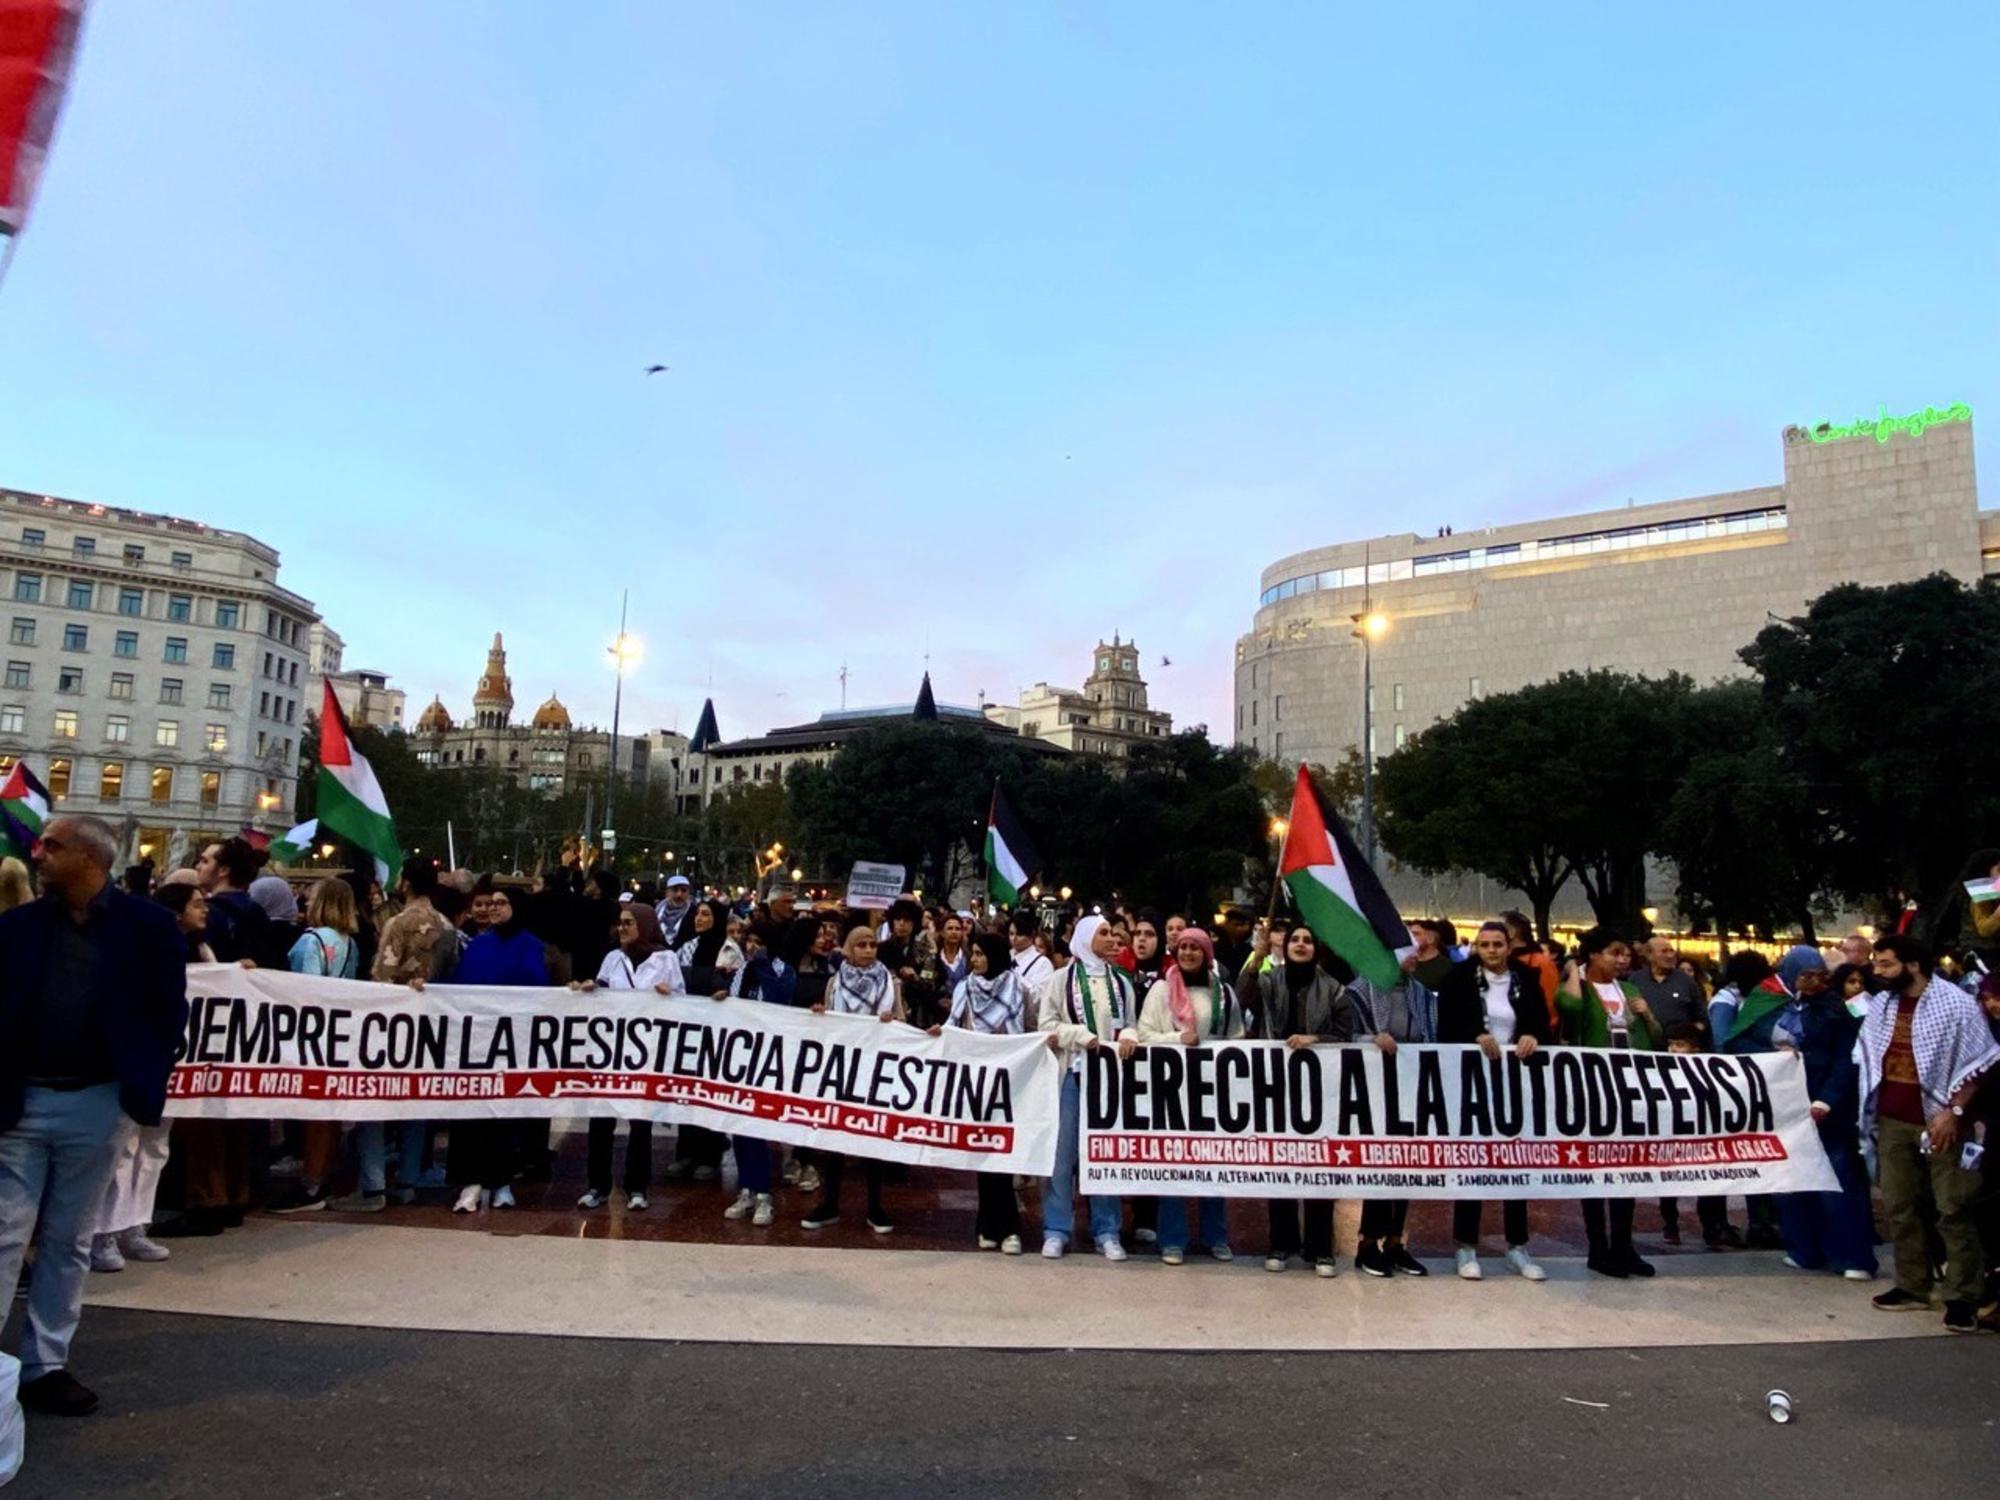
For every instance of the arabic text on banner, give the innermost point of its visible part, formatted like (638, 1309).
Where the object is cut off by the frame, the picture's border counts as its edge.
(1258, 1120)
(262, 1044)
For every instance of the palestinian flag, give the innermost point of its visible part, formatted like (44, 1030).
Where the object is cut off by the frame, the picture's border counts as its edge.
(295, 845)
(24, 808)
(1336, 893)
(351, 803)
(1010, 858)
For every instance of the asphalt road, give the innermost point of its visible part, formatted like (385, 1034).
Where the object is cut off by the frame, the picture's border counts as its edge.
(222, 1408)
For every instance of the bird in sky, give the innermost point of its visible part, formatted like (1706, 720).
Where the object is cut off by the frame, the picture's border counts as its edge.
(1166, 661)
(656, 369)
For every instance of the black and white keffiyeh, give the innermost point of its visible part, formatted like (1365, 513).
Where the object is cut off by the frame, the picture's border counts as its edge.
(856, 991)
(1949, 1038)
(987, 1004)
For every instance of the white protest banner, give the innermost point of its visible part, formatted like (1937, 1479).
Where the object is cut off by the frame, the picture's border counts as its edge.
(261, 1044)
(1259, 1120)
(873, 887)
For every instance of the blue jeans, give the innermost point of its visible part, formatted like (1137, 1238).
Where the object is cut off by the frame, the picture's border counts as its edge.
(1832, 1230)
(1107, 1215)
(53, 1167)
(753, 1163)
(1173, 1226)
(371, 1145)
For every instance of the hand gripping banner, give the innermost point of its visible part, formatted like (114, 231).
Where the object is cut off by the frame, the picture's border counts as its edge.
(267, 1045)
(1259, 1120)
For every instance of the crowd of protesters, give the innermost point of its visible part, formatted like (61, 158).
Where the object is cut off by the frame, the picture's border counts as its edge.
(1900, 1060)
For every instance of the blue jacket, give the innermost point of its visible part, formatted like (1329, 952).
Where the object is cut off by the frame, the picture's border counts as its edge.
(1827, 1034)
(138, 1002)
(493, 959)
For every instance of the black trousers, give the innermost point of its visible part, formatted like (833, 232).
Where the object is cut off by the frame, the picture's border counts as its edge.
(999, 1210)
(832, 1167)
(1466, 1213)
(638, 1155)
(480, 1152)
(699, 1146)
(1619, 1212)
(1713, 1213)
(1383, 1218)
(1317, 1241)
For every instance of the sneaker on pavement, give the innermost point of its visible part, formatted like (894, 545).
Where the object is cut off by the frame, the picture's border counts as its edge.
(1670, 1233)
(1011, 1245)
(1604, 1263)
(58, 1394)
(880, 1222)
(1370, 1261)
(105, 1254)
(678, 1171)
(1855, 1273)
(1403, 1263)
(1169, 1256)
(1727, 1237)
(1468, 1263)
(809, 1180)
(1960, 1317)
(704, 1173)
(637, 1203)
(985, 1244)
(1110, 1248)
(503, 1197)
(1144, 1236)
(1274, 1262)
(469, 1199)
(1524, 1264)
(136, 1246)
(1636, 1264)
(1326, 1268)
(196, 1223)
(1222, 1253)
(764, 1212)
(360, 1203)
(591, 1199)
(1053, 1246)
(1898, 1300)
(404, 1196)
(741, 1208)
(820, 1218)
(303, 1200)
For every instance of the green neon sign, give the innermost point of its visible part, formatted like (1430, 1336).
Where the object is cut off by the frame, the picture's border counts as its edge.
(1882, 426)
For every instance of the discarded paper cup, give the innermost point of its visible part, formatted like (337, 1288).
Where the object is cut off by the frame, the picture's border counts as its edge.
(1779, 1404)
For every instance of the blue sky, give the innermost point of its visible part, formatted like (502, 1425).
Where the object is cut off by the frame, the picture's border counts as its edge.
(993, 328)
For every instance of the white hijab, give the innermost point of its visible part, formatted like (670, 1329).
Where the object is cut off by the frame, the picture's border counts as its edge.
(1079, 945)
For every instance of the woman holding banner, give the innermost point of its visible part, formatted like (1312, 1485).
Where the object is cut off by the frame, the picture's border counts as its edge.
(1084, 1004)
(639, 962)
(861, 986)
(988, 1001)
(1193, 1004)
(481, 1152)
(1298, 1003)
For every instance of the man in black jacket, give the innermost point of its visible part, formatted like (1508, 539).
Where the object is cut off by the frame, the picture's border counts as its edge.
(93, 997)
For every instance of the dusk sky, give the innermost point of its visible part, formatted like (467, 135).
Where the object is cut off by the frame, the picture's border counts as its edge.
(992, 327)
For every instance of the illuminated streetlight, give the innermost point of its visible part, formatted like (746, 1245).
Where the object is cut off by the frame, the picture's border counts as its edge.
(1278, 827)
(798, 874)
(1374, 624)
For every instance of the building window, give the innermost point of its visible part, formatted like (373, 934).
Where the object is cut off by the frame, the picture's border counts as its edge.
(28, 587)
(1277, 707)
(126, 643)
(65, 726)
(1239, 719)
(131, 602)
(292, 716)
(223, 658)
(33, 536)
(211, 788)
(1253, 712)
(167, 733)
(69, 679)
(170, 690)
(83, 546)
(121, 685)
(80, 594)
(1401, 735)
(117, 729)
(1396, 697)
(218, 695)
(226, 612)
(177, 648)
(13, 719)
(422, 755)
(111, 781)
(1277, 746)
(182, 561)
(17, 674)
(134, 553)
(263, 705)
(59, 780)
(1478, 689)
(76, 637)
(22, 632)
(163, 784)
(180, 608)
(215, 738)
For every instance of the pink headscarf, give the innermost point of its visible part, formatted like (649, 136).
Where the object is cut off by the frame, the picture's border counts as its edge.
(1179, 1002)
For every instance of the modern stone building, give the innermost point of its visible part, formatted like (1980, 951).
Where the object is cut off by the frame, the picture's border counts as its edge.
(1675, 586)
(363, 693)
(1106, 716)
(549, 753)
(155, 671)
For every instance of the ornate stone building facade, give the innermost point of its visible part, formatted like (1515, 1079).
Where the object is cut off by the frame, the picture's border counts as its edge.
(1106, 716)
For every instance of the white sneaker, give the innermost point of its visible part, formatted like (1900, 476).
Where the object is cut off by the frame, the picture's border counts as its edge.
(1222, 1252)
(1145, 1237)
(105, 1254)
(1520, 1260)
(137, 1247)
(1110, 1249)
(740, 1209)
(1855, 1273)
(591, 1199)
(468, 1200)
(1274, 1262)
(1326, 1268)
(503, 1197)
(1054, 1246)
(1793, 1265)
(809, 1180)
(765, 1211)
(1172, 1257)
(1011, 1245)
(635, 1203)
(986, 1244)
(1468, 1264)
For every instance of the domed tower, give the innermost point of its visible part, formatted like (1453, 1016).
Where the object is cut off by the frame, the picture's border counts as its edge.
(551, 715)
(435, 719)
(493, 698)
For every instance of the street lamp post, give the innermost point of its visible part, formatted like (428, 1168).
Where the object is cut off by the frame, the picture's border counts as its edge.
(1368, 624)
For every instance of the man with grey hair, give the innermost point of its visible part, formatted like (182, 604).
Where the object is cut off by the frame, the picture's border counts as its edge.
(93, 998)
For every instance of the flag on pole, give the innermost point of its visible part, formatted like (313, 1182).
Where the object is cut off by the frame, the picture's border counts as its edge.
(296, 844)
(24, 808)
(1336, 892)
(351, 803)
(1010, 858)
